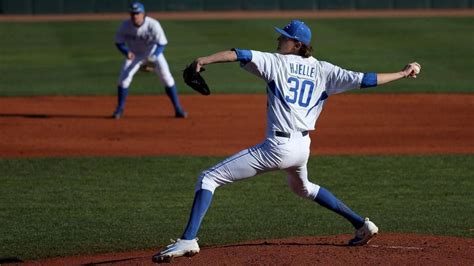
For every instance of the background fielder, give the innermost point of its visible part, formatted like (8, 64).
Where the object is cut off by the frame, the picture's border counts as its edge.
(142, 40)
(297, 87)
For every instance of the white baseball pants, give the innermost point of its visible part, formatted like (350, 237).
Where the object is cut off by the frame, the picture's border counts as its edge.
(274, 153)
(130, 68)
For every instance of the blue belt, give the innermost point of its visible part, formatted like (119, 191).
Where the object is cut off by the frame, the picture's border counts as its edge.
(287, 135)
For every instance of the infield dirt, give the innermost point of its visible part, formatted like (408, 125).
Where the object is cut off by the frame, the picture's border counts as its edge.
(225, 124)
(386, 249)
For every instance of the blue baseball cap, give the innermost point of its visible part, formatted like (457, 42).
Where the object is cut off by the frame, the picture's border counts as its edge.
(297, 30)
(137, 7)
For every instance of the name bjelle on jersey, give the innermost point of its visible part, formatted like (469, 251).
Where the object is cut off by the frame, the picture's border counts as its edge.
(302, 70)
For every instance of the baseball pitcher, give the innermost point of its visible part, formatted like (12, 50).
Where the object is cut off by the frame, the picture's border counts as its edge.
(297, 86)
(141, 40)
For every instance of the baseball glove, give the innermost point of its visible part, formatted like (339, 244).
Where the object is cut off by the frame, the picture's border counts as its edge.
(148, 65)
(194, 80)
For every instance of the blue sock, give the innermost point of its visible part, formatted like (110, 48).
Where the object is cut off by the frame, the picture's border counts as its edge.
(121, 97)
(172, 93)
(328, 200)
(202, 201)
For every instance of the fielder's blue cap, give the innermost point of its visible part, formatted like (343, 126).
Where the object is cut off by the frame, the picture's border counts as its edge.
(297, 30)
(137, 7)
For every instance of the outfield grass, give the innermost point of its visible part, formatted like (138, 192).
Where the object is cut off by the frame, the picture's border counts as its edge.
(65, 206)
(79, 58)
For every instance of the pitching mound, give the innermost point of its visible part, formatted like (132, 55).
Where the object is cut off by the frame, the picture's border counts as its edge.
(385, 249)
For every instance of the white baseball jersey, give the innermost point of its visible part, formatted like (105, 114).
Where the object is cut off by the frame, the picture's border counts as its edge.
(142, 40)
(297, 88)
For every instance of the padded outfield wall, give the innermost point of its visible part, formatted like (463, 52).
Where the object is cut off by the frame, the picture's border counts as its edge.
(111, 6)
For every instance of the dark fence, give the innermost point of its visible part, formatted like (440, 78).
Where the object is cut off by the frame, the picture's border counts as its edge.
(112, 6)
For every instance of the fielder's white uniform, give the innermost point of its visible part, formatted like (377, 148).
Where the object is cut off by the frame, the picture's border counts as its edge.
(142, 41)
(296, 89)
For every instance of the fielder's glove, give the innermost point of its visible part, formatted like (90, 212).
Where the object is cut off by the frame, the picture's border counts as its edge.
(194, 80)
(148, 64)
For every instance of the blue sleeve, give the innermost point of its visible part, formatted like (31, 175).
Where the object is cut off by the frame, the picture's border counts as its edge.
(244, 56)
(159, 49)
(369, 80)
(122, 48)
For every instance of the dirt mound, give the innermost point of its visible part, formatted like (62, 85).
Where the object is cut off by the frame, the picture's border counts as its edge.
(385, 249)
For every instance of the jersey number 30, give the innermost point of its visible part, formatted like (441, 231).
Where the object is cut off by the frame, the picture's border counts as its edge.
(302, 91)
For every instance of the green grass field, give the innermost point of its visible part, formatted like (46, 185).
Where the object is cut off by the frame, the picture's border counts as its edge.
(64, 58)
(58, 207)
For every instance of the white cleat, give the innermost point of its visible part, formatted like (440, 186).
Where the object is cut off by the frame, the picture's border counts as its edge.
(178, 248)
(364, 234)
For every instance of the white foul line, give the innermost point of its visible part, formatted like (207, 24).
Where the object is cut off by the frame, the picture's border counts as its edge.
(396, 247)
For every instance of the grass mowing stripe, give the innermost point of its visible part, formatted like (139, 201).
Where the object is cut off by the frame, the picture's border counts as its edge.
(79, 58)
(58, 207)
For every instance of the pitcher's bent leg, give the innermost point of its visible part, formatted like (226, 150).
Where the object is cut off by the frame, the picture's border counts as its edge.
(299, 183)
(326, 199)
(237, 167)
